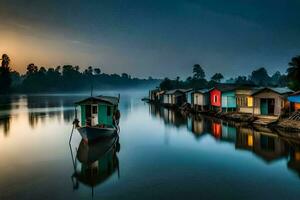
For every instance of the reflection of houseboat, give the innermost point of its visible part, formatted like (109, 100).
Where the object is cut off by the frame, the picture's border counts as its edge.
(97, 162)
(294, 159)
(99, 117)
(169, 116)
(217, 130)
(229, 132)
(263, 143)
(196, 124)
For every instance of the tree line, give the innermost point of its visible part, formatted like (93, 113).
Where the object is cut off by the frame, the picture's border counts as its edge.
(66, 78)
(258, 77)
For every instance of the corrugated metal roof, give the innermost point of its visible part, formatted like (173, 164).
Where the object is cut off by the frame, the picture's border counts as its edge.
(296, 93)
(279, 90)
(107, 99)
(282, 90)
(178, 90)
(202, 91)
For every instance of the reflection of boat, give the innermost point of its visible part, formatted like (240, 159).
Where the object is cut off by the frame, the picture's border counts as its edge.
(98, 162)
(294, 160)
(99, 117)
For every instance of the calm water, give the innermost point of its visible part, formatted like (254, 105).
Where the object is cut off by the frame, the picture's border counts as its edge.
(160, 155)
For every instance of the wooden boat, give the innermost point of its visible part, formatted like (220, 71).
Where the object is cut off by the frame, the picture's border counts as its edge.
(99, 117)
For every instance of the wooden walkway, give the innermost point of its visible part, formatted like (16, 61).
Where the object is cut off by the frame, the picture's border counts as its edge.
(265, 120)
(295, 116)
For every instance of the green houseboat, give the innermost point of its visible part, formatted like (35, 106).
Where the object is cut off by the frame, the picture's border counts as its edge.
(99, 117)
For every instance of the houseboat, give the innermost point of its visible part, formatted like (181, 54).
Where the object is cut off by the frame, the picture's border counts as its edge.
(99, 117)
(294, 99)
(244, 99)
(200, 100)
(175, 98)
(222, 98)
(271, 101)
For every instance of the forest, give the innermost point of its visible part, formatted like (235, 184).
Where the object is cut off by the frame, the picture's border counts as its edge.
(66, 78)
(258, 77)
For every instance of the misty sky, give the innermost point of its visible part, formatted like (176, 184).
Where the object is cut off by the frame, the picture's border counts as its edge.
(152, 37)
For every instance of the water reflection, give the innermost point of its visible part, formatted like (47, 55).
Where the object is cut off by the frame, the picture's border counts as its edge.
(265, 144)
(262, 142)
(97, 162)
(294, 159)
(37, 109)
(169, 116)
(6, 106)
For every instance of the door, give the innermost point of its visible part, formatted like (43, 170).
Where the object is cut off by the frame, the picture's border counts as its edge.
(102, 114)
(94, 118)
(271, 106)
(88, 116)
(263, 106)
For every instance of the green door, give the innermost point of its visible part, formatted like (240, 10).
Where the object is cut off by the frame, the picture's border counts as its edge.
(264, 107)
(109, 115)
(102, 111)
(83, 115)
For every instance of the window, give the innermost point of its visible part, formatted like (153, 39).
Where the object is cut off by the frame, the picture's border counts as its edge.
(250, 101)
(108, 111)
(215, 98)
(94, 109)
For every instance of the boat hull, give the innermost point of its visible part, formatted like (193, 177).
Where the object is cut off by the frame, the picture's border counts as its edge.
(90, 134)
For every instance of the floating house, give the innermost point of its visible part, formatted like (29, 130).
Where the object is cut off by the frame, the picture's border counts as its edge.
(98, 110)
(294, 99)
(152, 95)
(200, 100)
(189, 98)
(223, 98)
(271, 101)
(175, 97)
(156, 95)
(244, 99)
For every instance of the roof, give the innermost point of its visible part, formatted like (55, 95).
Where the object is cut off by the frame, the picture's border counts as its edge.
(295, 97)
(296, 93)
(101, 98)
(202, 91)
(161, 92)
(178, 90)
(281, 91)
(225, 87)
